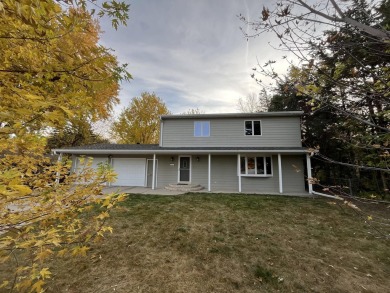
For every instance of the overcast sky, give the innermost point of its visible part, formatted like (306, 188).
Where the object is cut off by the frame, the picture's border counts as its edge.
(192, 54)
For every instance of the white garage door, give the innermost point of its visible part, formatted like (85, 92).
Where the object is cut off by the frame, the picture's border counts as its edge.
(131, 172)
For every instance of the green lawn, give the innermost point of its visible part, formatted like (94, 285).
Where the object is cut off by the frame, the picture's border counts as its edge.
(233, 243)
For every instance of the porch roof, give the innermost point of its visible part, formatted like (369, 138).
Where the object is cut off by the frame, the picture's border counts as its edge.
(148, 149)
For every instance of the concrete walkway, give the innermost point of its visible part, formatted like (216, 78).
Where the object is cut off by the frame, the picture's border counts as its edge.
(141, 190)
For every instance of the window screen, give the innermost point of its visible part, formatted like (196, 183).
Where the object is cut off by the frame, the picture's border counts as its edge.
(202, 128)
(253, 127)
(256, 166)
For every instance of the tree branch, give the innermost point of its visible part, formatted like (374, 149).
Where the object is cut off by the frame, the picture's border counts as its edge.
(368, 29)
(337, 8)
(329, 160)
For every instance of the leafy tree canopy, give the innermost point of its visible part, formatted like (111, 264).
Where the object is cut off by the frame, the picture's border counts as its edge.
(75, 133)
(341, 80)
(140, 121)
(53, 73)
(51, 62)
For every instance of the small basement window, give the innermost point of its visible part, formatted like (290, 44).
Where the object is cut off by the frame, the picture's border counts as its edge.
(252, 127)
(256, 166)
(202, 128)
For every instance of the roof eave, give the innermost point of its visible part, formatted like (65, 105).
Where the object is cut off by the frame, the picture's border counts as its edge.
(170, 152)
(233, 115)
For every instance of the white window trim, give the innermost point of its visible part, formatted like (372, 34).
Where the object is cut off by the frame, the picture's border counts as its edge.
(201, 128)
(253, 129)
(255, 175)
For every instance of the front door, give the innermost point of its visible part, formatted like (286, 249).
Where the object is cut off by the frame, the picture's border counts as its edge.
(184, 169)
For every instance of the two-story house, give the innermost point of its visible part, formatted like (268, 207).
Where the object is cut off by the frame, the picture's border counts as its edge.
(256, 152)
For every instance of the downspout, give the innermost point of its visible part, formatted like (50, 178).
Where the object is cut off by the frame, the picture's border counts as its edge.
(75, 159)
(161, 131)
(309, 175)
(209, 174)
(327, 195)
(58, 173)
(280, 173)
(110, 163)
(239, 172)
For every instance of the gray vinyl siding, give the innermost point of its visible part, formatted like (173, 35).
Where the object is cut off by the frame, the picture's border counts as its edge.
(167, 171)
(262, 184)
(199, 173)
(224, 173)
(292, 175)
(230, 132)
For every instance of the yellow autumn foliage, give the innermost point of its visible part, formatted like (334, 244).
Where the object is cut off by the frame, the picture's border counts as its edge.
(52, 70)
(140, 121)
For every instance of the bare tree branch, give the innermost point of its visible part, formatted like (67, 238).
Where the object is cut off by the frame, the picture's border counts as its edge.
(368, 29)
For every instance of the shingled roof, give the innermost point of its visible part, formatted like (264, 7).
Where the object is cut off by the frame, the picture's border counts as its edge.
(233, 115)
(155, 148)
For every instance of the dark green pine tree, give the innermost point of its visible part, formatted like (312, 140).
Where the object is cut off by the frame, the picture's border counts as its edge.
(349, 120)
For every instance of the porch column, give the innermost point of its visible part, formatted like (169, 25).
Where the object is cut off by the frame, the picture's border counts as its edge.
(154, 172)
(280, 173)
(239, 171)
(111, 166)
(58, 173)
(209, 174)
(74, 163)
(309, 176)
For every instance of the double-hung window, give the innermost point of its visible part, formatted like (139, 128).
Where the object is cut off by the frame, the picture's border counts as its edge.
(252, 127)
(201, 128)
(256, 166)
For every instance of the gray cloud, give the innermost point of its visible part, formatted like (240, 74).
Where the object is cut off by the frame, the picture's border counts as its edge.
(190, 53)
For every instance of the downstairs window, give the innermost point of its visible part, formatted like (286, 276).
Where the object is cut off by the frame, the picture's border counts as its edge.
(256, 166)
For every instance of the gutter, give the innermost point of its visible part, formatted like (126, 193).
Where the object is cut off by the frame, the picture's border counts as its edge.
(140, 152)
(327, 195)
(233, 115)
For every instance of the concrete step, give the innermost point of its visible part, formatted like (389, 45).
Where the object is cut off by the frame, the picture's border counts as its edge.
(184, 187)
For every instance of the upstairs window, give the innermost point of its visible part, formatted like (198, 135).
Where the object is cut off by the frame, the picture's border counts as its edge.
(252, 127)
(256, 166)
(201, 128)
